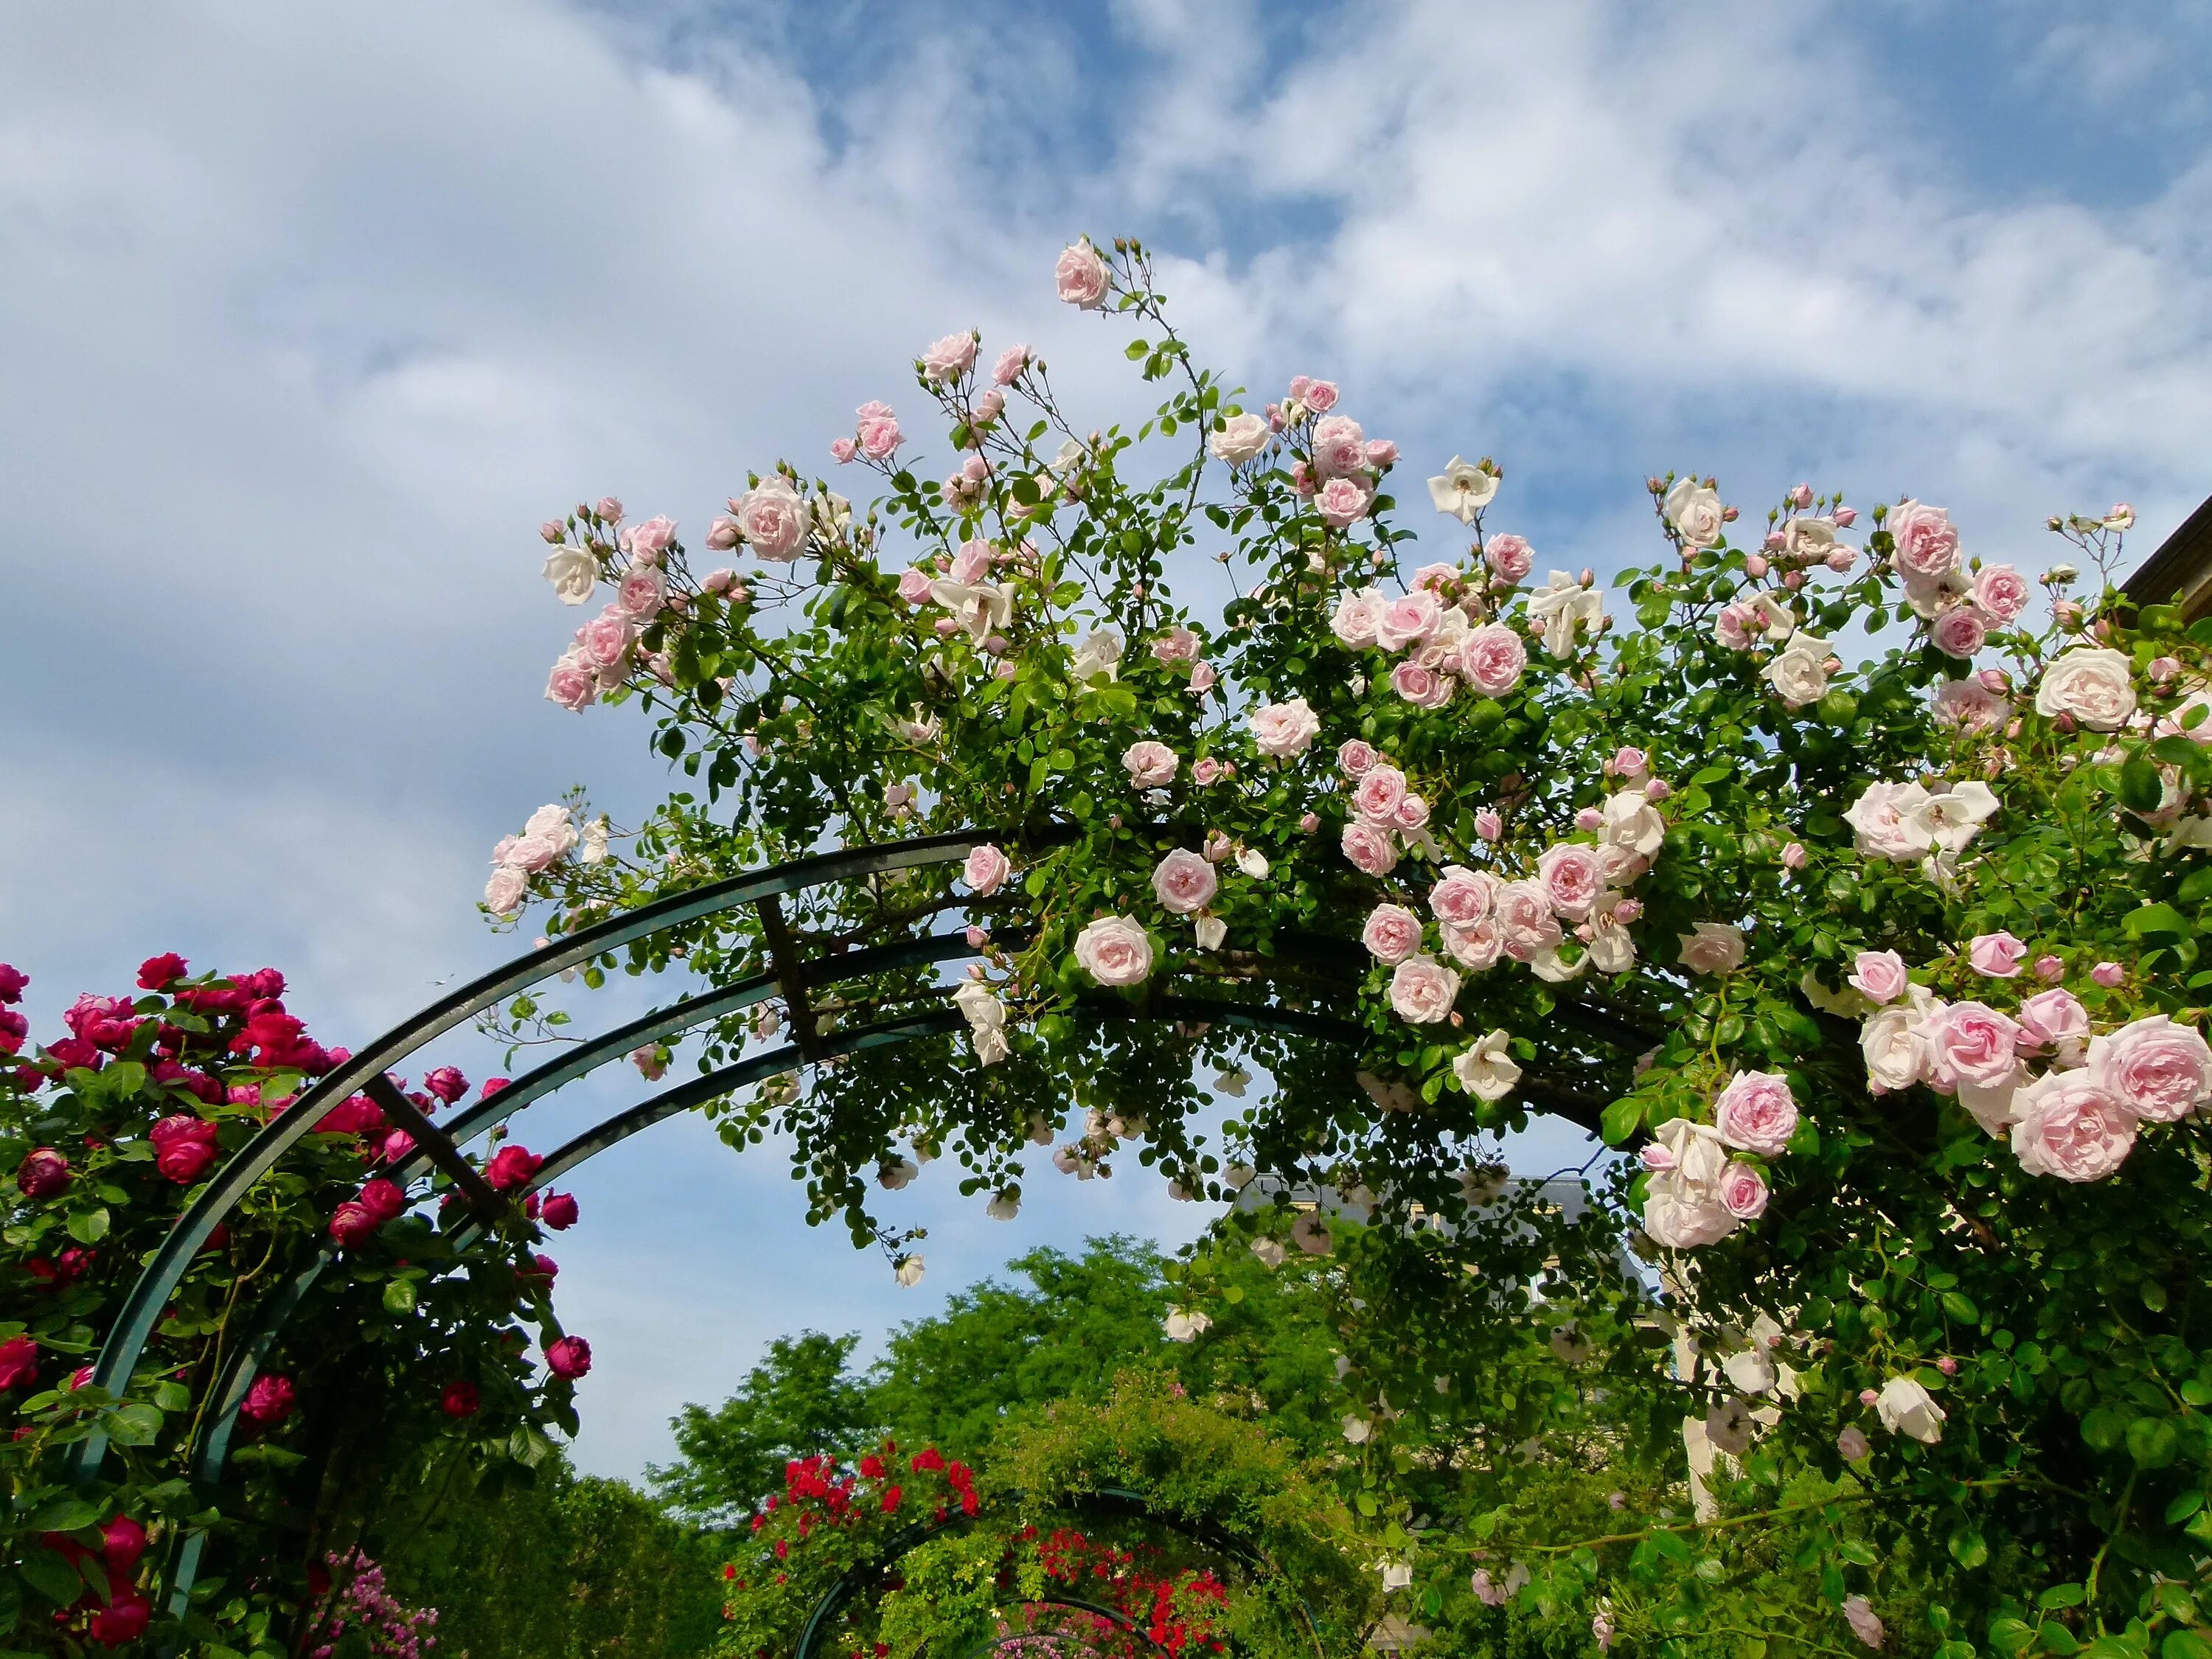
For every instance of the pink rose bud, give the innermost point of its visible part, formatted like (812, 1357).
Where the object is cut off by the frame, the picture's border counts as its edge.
(977, 938)
(1846, 517)
(1114, 821)
(1728, 515)
(1948, 1365)
(842, 450)
(945, 626)
(1488, 824)
(1801, 496)
(1589, 818)
(1793, 856)
(1755, 565)
(2068, 612)
(1658, 789)
(1794, 580)
(1776, 541)
(2049, 968)
(723, 535)
(1308, 821)
(1867, 1396)
(2163, 669)
(1590, 576)
(1841, 559)
(609, 509)
(1994, 680)
(1628, 910)
(2108, 974)
(551, 531)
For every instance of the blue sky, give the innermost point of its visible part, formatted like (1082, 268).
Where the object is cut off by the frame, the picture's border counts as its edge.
(308, 315)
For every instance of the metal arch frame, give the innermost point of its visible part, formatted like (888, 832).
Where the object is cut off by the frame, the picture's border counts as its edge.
(841, 1594)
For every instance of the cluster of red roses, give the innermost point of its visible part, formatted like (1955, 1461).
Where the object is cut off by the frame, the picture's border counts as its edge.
(122, 1615)
(1175, 1611)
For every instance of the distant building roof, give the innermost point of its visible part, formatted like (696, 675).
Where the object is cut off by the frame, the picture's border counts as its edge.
(2182, 565)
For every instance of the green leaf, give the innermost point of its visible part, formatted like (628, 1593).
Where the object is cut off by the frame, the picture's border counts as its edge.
(1621, 1119)
(2060, 1595)
(1968, 1547)
(2141, 788)
(66, 1513)
(52, 1576)
(2153, 1441)
(1960, 1307)
(399, 1296)
(2183, 1507)
(89, 1226)
(2153, 921)
(2010, 1635)
(134, 1425)
(2185, 1645)
(2101, 1429)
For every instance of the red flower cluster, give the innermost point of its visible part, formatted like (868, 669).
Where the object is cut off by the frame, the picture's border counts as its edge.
(123, 1616)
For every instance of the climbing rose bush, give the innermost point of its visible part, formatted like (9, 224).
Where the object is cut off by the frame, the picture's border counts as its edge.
(405, 1363)
(1843, 863)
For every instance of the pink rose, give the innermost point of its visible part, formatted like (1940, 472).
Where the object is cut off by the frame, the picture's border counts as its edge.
(1423, 990)
(269, 1400)
(971, 563)
(1743, 1191)
(1391, 933)
(1012, 361)
(1340, 502)
(511, 1167)
(1149, 764)
(1408, 620)
(1081, 275)
(1628, 764)
(1880, 975)
(2153, 1067)
(605, 642)
(1996, 956)
(2108, 974)
(1380, 790)
(986, 870)
(646, 543)
(2068, 1126)
(1354, 756)
(1523, 909)
(1284, 729)
(1185, 883)
(1421, 687)
(1382, 454)
(1358, 611)
(1460, 896)
(1204, 769)
(1319, 396)
(573, 684)
(1488, 824)
(1114, 951)
(949, 358)
(1477, 945)
(914, 585)
(1970, 706)
(1371, 849)
(879, 435)
(2000, 590)
(642, 593)
(1573, 879)
(1176, 645)
(1926, 542)
(773, 517)
(841, 450)
(1511, 556)
(1756, 1112)
(1339, 447)
(1411, 814)
(184, 1146)
(1958, 632)
(1493, 659)
(608, 509)
(2050, 1018)
(1202, 678)
(1971, 1043)
(504, 892)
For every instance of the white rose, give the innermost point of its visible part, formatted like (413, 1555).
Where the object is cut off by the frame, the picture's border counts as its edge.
(1099, 657)
(1799, 672)
(573, 574)
(1241, 438)
(1184, 1326)
(1906, 1408)
(1564, 606)
(1695, 512)
(1212, 931)
(1878, 818)
(1948, 818)
(1487, 1070)
(909, 1271)
(1890, 1042)
(2094, 686)
(1270, 1252)
(1463, 490)
(1714, 947)
(1633, 822)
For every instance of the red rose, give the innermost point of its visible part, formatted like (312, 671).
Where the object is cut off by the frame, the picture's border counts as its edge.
(184, 1147)
(353, 1224)
(122, 1543)
(19, 1361)
(560, 1211)
(43, 1173)
(383, 1200)
(269, 1400)
(160, 973)
(512, 1167)
(571, 1357)
(460, 1398)
(123, 1620)
(447, 1083)
(891, 1495)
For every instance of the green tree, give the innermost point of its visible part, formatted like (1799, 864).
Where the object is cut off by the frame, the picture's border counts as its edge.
(800, 1401)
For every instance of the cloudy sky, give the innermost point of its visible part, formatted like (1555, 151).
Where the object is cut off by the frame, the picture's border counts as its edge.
(309, 315)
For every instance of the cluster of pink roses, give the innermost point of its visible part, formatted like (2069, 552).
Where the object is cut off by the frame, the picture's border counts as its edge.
(1343, 465)
(548, 836)
(2070, 1098)
(1436, 626)
(1697, 1193)
(1960, 606)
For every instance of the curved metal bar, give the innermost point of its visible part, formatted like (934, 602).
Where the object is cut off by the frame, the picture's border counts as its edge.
(142, 1309)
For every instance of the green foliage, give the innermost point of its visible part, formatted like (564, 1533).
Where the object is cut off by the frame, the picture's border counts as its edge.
(798, 1403)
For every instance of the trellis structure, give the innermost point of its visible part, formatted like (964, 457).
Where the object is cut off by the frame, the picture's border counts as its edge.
(793, 975)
